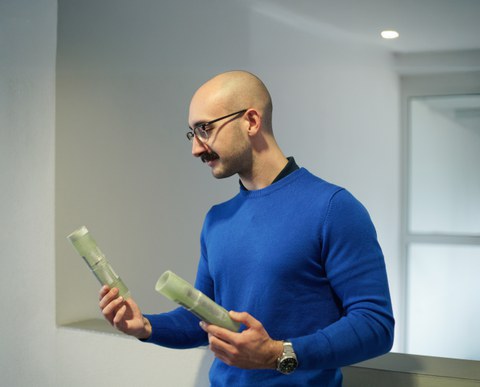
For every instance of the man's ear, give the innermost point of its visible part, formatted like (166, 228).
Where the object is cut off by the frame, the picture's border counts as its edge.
(254, 120)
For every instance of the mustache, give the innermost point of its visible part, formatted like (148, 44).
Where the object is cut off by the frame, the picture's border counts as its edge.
(209, 156)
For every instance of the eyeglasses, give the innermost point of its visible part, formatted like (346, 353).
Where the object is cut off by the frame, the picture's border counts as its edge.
(201, 131)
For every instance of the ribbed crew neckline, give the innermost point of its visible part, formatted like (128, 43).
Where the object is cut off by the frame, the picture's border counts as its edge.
(274, 186)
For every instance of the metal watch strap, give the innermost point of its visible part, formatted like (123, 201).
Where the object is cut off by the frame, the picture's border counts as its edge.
(287, 362)
(288, 349)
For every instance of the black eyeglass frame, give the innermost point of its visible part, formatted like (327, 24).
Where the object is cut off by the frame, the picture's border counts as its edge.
(201, 130)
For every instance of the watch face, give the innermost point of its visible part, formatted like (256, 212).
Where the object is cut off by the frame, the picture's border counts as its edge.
(288, 365)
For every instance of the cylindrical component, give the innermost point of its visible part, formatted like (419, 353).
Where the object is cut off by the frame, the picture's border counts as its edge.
(95, 259)
(180, 291)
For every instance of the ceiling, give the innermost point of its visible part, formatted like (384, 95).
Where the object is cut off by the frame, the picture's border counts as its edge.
(424, 25)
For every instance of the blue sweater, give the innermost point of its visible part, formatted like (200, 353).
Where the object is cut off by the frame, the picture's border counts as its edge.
(302, 257)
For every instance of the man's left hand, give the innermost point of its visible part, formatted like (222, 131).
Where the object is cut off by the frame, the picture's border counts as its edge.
(250, 349)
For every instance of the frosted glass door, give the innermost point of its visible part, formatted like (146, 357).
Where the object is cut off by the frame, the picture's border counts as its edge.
(443, 227)
(445, 165)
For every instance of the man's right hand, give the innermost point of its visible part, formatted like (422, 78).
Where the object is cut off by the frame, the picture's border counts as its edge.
(124, 315)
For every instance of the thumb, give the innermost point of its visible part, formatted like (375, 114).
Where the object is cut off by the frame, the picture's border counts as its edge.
(245, 318)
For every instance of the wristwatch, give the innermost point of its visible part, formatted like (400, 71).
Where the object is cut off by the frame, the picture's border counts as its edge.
(287, 362)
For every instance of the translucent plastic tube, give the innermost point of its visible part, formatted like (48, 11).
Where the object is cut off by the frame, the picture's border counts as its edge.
(180, 291)
(96, 261)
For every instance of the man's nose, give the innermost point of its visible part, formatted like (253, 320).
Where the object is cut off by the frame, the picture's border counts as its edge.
(198, 147)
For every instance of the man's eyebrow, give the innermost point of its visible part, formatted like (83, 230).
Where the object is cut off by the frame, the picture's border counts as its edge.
(197, 123)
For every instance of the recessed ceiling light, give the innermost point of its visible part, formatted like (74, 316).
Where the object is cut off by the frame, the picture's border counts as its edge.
(389, 34)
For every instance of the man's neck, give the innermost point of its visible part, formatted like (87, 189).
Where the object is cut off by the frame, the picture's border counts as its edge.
(264, 172)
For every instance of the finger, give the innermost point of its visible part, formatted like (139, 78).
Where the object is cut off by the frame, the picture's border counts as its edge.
(107, 298)
(203, 325)
(110, 310)
(133, 306)
(246, 319)
(219, 332)
(221, 355)
(119, 315)
(103, 291)
(220, 347)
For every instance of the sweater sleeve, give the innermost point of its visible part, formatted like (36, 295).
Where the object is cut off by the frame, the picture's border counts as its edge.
(355, 268)
(177, 329)
(180, 328)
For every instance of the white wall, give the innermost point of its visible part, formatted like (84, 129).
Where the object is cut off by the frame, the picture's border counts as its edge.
(27, 106)
(123, 163)
(124, 166)
(33, 351)
(125, 75)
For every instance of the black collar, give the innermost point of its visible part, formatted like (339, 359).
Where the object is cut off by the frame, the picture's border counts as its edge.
(287, 170)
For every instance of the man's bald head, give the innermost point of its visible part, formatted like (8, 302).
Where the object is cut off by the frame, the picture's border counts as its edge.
(236, 90)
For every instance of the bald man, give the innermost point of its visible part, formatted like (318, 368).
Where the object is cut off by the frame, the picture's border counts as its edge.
(294, 258)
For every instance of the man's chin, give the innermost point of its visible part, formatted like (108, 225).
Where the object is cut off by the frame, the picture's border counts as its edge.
(220, 173)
